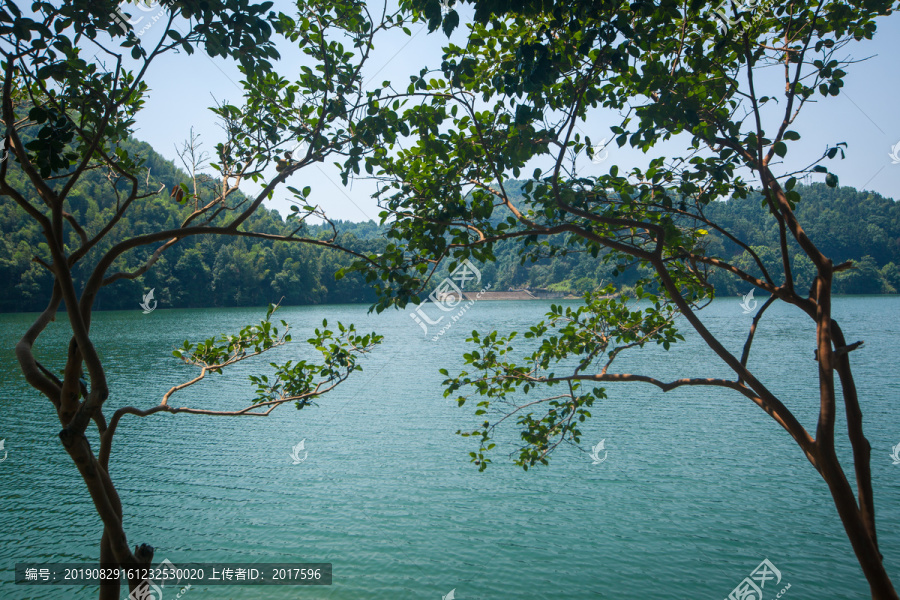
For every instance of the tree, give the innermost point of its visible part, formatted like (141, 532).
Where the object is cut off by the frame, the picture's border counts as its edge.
(517, 95)
(72, 83)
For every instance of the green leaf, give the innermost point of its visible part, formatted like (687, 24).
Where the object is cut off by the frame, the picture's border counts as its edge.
(451, 21)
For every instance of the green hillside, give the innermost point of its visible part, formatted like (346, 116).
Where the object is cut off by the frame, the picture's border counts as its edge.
(216, 271)
(846, 224)
(197, 272)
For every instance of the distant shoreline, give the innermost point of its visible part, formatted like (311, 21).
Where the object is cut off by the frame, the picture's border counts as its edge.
(513, 295)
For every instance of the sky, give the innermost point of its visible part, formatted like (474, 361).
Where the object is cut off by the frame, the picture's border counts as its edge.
(864, 115)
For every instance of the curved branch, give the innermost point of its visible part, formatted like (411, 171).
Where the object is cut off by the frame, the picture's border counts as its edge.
(763, 397)
(107, 438)
(32, 370)
(745, 355)
(862, 450)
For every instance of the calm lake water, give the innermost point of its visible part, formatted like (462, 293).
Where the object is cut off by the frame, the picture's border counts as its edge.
(698, 488)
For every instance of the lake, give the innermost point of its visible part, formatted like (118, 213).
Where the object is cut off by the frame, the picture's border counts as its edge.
(699, 486)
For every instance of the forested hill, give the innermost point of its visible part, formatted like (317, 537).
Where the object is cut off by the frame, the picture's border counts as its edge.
(196, 272)
(845, 224)
(210, 271)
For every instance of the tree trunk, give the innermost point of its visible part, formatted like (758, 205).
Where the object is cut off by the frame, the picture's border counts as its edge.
(144, 556)
(109, 588)
(863, 545)
(113, 545)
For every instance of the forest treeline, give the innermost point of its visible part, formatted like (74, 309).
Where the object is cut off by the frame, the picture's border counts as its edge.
(844, 223)
(219, 271)
(202, 271)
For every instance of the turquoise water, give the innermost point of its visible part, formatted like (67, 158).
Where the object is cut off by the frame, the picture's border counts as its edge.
(698, 487)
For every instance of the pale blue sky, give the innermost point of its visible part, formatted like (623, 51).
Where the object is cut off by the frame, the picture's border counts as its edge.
(865, 115)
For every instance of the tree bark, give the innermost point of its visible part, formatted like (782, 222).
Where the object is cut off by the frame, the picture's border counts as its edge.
(109, 588)
(855, 526)
(144, 556)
